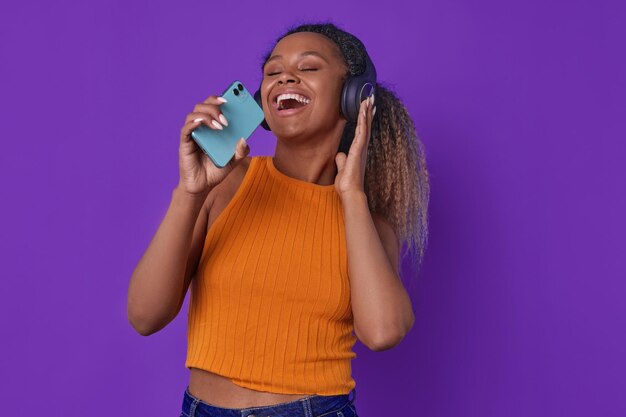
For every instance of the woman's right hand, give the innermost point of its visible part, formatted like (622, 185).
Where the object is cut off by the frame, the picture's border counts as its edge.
(198, 174)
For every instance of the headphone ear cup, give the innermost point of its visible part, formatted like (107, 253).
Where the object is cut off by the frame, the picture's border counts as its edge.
(349, 109)
(259, 101)
(357, 88)
(350, 102)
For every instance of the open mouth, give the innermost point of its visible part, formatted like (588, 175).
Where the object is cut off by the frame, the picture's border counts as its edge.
(290, 103)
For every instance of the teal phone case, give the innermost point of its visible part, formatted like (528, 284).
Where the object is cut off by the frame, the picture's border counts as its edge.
(243, 115)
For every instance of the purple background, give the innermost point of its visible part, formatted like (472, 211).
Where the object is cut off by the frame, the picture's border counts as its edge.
(521, 107)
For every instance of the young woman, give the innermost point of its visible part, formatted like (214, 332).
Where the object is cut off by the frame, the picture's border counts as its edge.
(292, 257)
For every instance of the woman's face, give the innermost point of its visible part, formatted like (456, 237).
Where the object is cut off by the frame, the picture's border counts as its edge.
(310, 65)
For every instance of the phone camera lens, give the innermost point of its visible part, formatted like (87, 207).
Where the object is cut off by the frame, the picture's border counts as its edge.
(240, 87)
(236, 92)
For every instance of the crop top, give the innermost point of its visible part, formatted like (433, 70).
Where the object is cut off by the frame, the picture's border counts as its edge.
(270, 305)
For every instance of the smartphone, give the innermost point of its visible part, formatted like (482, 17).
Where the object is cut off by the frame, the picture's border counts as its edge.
(243, 114)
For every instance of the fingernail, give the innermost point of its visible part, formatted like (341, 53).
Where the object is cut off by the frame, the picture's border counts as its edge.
(197, 120)
(372, 98)
(222, 99)
(223, 120)
(217, 125)
(374, 112)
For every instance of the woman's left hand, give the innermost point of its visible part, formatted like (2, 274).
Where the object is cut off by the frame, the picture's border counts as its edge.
(351, 169)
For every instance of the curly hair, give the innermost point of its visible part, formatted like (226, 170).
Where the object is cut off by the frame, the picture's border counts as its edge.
(396, 177)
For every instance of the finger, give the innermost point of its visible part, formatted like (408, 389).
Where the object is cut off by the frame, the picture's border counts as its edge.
(215, 100)
(368, 129)
(241, 151)
(213, 110)
(340, 160)
(359, 125)
(370, 118)
(356, 147)
(205, 118)
(185, 132)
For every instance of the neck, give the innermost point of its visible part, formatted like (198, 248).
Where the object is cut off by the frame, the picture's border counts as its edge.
(310, 158)
(312, 164)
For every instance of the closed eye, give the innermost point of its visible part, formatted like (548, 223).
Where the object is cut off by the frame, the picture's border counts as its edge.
(304, 69)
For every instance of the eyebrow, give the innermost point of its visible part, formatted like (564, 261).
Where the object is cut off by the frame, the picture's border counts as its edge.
(303, 54)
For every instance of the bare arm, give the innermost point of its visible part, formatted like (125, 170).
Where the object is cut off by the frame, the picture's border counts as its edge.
(161, 278)
(381, 307)
(380, 304)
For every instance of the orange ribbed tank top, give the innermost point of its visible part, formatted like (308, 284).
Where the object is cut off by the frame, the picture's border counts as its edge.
(270, 305)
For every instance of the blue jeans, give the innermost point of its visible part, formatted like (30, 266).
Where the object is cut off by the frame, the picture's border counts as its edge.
(311, 406)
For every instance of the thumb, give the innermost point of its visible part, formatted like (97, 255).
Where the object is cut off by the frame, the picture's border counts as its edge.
(242, 149)
(340, 160)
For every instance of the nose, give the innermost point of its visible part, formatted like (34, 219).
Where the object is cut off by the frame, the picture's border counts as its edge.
(286, 77)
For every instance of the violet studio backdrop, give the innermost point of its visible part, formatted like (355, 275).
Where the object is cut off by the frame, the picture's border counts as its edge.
(520, 106)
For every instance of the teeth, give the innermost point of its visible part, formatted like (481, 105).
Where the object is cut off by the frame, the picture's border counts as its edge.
(298, 97)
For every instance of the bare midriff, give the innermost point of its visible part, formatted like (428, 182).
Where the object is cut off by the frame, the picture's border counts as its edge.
(222, 392)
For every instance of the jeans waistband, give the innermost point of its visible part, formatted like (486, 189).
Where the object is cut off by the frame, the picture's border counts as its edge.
(311, 406)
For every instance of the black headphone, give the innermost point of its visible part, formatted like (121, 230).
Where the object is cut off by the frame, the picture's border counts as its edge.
(356, 88)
